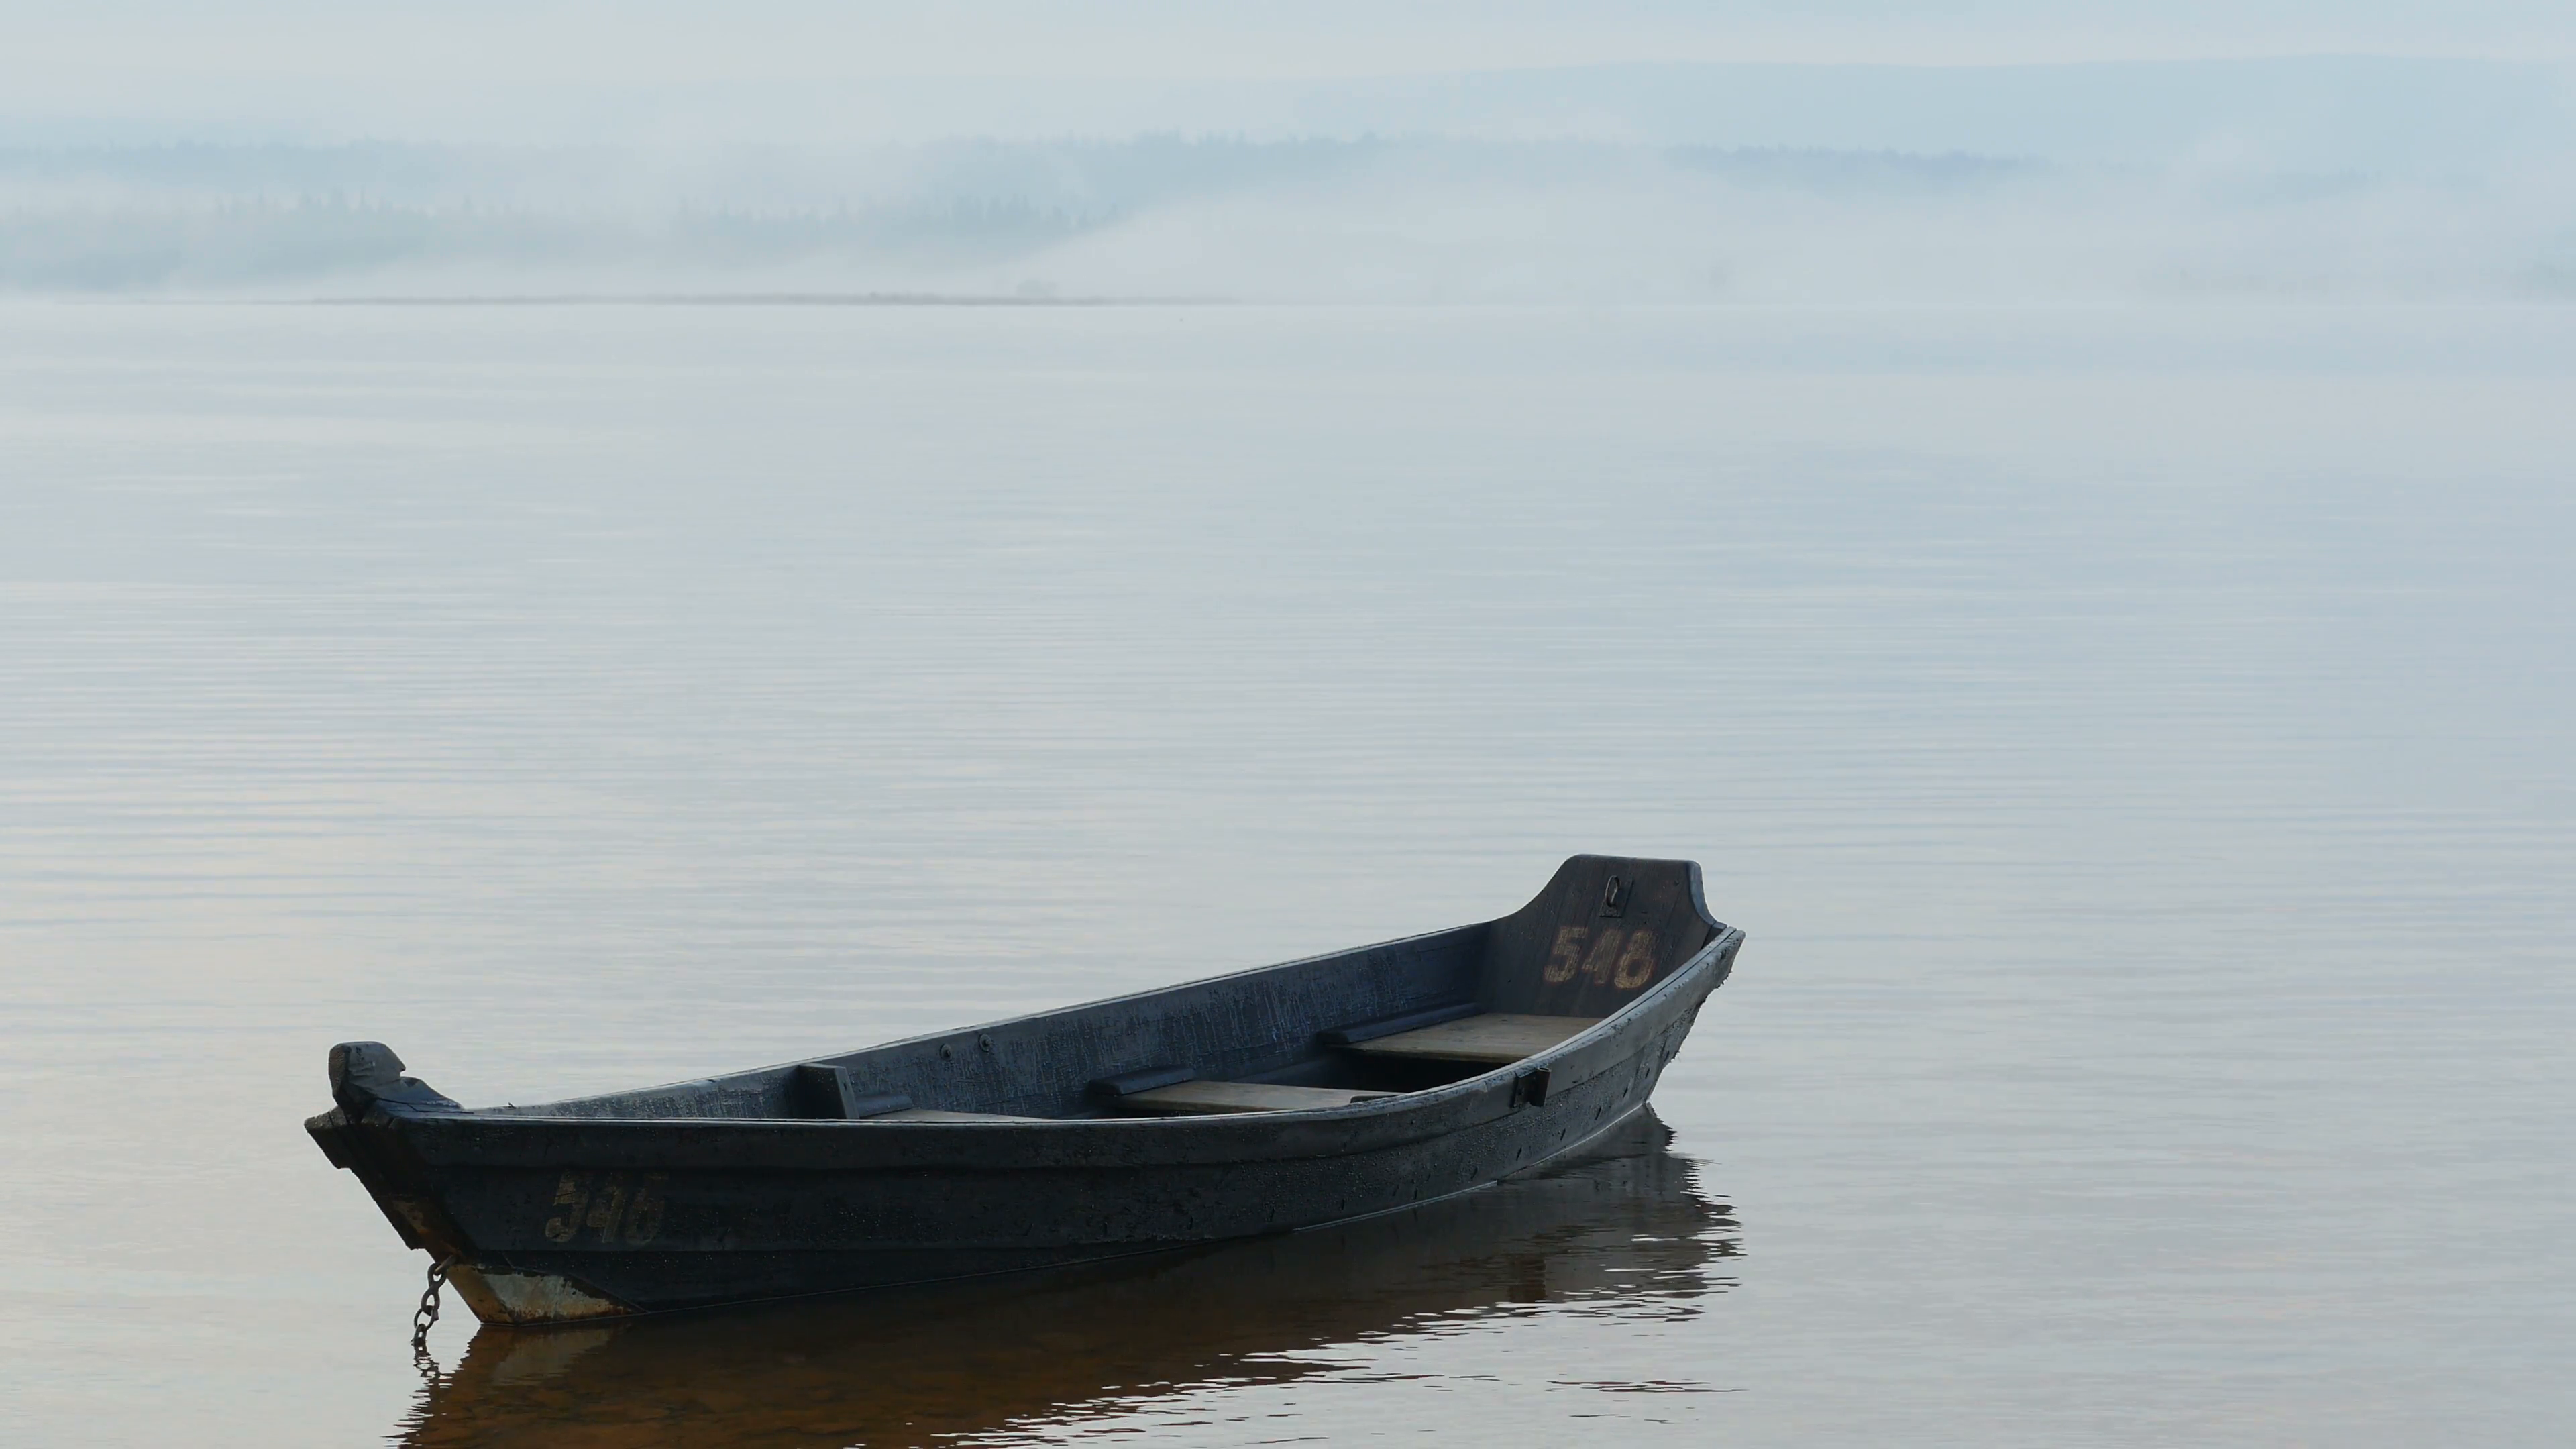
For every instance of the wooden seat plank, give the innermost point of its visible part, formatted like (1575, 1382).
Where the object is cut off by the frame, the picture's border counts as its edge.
(1495, 1038)
(933, 1114)
(1208, 1098)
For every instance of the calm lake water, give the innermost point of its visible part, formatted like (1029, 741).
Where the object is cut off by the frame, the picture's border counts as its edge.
(2136, 741)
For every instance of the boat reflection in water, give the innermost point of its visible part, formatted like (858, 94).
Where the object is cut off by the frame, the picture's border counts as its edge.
(1620, 1228)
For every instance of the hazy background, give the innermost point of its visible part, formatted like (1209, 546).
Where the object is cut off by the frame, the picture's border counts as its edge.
(1628, 152)
(2126, 702)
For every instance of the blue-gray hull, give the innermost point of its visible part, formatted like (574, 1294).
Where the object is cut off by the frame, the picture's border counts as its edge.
(725, 1191)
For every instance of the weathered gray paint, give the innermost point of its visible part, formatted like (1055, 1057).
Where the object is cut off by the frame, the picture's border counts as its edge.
(738, 1187)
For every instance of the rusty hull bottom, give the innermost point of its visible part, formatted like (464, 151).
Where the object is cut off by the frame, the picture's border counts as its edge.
(500, 1296)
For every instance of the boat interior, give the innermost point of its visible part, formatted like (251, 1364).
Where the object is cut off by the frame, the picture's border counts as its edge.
(1326, 1032)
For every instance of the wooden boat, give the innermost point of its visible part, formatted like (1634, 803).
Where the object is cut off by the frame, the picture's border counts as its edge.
(1288, 1097)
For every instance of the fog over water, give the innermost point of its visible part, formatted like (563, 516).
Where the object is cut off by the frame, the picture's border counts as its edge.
(2315, 178)
(2064, 514)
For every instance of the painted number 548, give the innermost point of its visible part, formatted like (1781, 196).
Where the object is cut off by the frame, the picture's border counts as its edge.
(608, 1207)
(1606, 962)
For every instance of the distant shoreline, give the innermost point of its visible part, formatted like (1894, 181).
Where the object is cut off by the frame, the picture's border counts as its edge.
(645, 299)
(747, 299)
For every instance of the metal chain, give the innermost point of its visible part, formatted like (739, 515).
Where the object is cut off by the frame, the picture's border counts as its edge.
(425, 1316)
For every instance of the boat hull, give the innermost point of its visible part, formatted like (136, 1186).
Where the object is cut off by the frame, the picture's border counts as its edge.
(551, 1218)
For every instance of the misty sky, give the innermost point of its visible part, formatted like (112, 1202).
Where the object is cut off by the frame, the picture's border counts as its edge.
(1740, 149)
(540, 71)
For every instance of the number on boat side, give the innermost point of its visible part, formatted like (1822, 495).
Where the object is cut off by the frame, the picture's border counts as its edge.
(1568, 951)
(601, 1209)
(1637, 963)
(644, 1214)
(1605, 963)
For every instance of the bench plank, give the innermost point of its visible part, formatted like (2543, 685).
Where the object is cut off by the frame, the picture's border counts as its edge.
(1197, 1098)
(1495, 1038)
(933, 1114)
